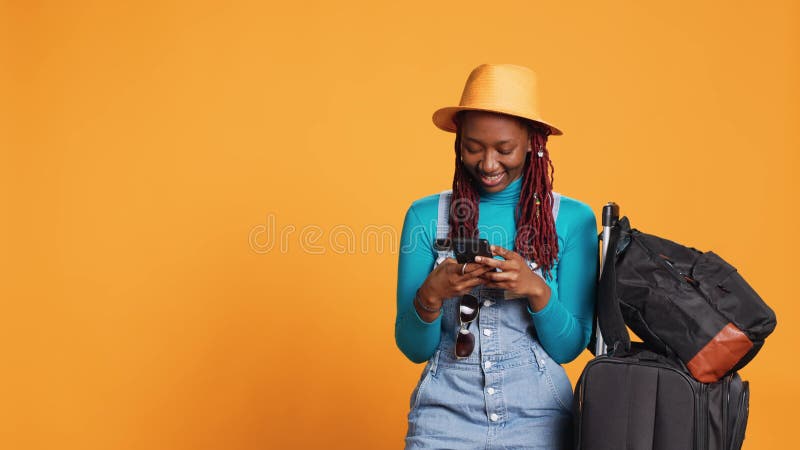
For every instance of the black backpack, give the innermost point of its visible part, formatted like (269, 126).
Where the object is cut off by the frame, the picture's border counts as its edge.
(683, 303)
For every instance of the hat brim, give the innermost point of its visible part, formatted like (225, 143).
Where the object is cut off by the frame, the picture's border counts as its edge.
(443, 118)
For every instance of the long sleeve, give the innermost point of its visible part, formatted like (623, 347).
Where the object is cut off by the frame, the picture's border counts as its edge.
(564, 325)
(416, 338)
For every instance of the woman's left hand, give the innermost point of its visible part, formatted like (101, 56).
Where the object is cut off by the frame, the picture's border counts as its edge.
(516, 277)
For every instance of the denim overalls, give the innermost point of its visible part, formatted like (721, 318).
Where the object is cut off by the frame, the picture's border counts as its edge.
(508, 394)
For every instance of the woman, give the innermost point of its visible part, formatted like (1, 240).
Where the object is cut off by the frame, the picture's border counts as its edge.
(535, 296)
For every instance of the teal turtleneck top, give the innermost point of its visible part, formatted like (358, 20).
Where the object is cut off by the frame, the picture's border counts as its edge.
(563, 326)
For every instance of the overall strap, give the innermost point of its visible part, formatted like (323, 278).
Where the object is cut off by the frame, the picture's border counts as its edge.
(442, 224)
(556, 206)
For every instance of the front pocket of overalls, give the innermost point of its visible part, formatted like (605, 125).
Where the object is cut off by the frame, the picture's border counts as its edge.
(427, 373)
(557, 380)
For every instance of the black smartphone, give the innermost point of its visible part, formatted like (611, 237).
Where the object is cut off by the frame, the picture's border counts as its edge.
(466, 249)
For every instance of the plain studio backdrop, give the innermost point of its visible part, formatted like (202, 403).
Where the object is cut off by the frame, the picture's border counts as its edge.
(202, 201)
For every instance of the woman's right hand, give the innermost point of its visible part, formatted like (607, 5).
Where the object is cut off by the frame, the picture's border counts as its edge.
(446, 281)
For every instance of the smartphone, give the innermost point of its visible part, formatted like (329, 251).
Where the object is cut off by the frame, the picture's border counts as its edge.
(466, 249)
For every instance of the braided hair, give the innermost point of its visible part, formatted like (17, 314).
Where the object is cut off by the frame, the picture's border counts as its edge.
(536, 237)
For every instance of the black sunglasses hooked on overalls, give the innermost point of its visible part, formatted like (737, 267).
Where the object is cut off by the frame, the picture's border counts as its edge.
(467, 313)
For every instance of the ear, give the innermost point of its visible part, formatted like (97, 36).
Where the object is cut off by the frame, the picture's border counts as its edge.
(530, 137)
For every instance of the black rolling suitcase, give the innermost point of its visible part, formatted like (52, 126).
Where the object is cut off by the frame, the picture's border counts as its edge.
(632, 398)
(642, 400)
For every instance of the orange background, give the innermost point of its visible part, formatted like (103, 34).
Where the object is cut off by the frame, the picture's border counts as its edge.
(146, 144)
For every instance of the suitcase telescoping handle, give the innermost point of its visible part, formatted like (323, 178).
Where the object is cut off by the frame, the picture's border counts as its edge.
(610, 218)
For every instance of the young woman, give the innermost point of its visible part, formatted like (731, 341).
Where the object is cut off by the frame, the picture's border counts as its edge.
(493, 377)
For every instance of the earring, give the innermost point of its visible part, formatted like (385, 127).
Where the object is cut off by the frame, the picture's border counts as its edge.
(540, 153)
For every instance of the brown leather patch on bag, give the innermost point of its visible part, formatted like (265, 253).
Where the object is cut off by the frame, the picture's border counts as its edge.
(720, 354)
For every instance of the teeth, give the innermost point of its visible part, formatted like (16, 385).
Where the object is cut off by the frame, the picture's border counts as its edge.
(493, 178)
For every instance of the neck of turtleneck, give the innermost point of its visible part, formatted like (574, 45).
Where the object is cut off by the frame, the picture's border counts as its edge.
(509, 195)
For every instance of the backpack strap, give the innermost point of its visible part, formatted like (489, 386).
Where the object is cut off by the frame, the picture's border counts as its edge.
(443, 227)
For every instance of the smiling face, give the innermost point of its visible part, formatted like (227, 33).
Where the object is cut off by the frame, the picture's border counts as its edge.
(493, 148)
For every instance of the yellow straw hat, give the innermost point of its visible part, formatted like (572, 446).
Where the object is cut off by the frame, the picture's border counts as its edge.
(502, 88)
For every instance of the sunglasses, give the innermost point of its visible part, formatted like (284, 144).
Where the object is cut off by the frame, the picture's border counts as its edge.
(467, 313)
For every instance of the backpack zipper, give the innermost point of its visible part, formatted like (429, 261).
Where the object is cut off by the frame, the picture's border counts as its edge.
(677, 273)
(680, 276)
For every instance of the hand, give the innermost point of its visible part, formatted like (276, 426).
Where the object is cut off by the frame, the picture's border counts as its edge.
(447, 281)
(516, 277)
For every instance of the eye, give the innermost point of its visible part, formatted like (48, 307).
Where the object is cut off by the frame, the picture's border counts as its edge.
(505, 152)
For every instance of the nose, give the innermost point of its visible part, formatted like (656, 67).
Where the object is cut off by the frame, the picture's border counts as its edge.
(490, 164)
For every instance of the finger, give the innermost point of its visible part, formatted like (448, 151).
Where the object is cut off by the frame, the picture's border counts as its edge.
(504, 252)
(460, 271)
(466, 286)
(485, 270)
(492, 262)
(483, 273)
(472, 267)
(497, 285)
(475, 269)
(501, 276)
(453, 266)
